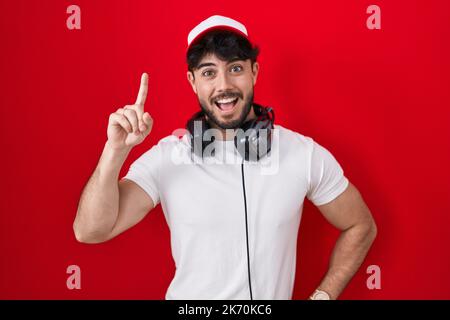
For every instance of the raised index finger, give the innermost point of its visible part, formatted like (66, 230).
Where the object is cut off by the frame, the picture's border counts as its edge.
(142, 95)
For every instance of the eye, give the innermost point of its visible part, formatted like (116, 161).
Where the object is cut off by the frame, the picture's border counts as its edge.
(207, 73)
(236, 68)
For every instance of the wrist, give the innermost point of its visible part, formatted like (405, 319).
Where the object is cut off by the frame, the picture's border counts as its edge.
(112, 159)
(116, 151)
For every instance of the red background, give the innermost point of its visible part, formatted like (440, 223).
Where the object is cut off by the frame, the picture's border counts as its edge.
(377, 99)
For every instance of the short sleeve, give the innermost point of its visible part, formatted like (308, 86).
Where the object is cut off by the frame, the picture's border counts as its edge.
(144, 171)
(326, 177)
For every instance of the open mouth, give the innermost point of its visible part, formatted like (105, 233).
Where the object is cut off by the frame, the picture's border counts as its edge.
(226, 105)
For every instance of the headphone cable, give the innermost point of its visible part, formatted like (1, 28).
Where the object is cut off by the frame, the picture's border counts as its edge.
(246, 230)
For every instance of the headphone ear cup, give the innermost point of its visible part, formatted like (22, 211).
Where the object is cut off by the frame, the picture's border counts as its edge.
(197, 127)
(254, 141)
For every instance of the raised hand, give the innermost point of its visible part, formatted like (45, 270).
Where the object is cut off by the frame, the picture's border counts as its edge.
(128, 126)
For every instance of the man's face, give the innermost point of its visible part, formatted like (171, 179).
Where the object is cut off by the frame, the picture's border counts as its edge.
(225, 90)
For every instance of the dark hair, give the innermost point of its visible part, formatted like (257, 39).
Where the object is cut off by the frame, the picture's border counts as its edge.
(227, 45)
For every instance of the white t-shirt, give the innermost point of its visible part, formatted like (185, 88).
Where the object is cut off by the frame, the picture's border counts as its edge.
(203, 204)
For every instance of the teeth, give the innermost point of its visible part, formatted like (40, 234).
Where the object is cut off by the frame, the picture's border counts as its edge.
(226, 100)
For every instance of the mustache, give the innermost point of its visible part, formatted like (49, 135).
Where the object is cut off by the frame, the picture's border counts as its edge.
(225, 95)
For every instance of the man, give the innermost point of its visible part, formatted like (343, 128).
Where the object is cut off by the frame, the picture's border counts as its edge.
(233, 227)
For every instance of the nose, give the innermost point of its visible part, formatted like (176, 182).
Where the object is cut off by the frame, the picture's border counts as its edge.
(223, 82)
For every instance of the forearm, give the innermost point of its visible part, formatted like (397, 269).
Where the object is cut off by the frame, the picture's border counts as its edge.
(99, 202)
(347, 256)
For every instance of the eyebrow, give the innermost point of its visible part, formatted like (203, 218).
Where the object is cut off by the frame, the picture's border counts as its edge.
(208, 64)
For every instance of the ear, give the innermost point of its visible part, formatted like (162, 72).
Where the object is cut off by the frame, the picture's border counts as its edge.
(191, 79)
(255, 71)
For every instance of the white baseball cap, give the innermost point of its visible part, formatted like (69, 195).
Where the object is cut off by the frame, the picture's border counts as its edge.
(213, 23)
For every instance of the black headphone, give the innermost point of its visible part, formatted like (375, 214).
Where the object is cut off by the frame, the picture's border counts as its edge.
(249, 141)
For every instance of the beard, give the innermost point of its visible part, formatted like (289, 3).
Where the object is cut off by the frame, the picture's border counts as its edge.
(232, 124)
